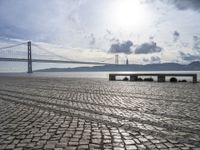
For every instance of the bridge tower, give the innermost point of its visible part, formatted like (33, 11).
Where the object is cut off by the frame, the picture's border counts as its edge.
(29, 58)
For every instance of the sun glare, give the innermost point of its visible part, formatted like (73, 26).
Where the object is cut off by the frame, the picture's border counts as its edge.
(128, 14)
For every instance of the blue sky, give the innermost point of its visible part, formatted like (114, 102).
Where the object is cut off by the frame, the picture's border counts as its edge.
(146, 31)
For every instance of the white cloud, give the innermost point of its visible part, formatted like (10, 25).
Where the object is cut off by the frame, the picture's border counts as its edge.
(85, 30)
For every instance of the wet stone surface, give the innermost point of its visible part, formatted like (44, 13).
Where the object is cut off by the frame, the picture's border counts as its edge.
(81, 114)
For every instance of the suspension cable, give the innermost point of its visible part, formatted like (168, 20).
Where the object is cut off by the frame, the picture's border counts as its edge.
(107, 59)
(44, 49)
(11, 46)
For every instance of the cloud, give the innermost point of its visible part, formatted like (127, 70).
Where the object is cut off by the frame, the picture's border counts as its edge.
(114, 40)
(176, 36)
(151, 38)
(92, 39)
(189, 57)
(108, 32)
(148, 48)
(145, 60)
(39, 20)
(185, 44)
(186, 4)
(109, 36)
(124, 47)
(196, 43)
(180, 4)
(155, 59)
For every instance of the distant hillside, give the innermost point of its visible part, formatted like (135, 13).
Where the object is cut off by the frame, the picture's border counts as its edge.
(194, 66)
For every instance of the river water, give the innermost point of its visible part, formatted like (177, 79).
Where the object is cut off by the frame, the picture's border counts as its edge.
(92, 74)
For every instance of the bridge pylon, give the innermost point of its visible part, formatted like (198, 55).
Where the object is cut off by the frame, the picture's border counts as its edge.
(29, 57)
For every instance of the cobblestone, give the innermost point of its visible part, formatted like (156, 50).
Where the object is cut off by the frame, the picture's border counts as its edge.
(61, 113)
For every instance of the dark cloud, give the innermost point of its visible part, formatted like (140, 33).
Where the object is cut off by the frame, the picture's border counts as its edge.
(124, 47)
(148, 48)
(180, 4)
(186, 4)
(176, 36)
(189, 57)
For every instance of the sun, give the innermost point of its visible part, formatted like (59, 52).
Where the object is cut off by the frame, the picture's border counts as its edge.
(128, 13)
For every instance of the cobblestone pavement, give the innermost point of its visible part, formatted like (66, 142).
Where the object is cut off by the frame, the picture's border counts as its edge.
(81, 114)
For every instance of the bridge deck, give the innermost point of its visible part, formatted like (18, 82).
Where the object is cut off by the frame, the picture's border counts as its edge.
(52, 61)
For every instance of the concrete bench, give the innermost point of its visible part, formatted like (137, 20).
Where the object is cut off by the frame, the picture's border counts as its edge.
(161, 77)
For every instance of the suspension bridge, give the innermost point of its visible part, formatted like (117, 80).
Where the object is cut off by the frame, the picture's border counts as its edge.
(28, 52)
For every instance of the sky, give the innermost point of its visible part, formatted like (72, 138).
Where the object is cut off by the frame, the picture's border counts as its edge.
(144, 31)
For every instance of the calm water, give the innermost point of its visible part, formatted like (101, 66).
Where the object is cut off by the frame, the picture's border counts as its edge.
(90, 74)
